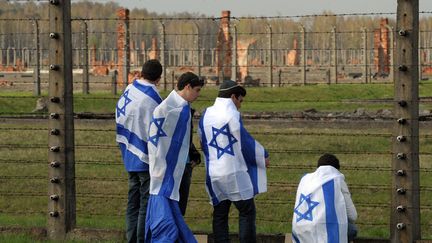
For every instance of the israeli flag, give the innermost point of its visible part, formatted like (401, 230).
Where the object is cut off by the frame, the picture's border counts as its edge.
(320, 212)
(133, 115)
(235, 161)
(169, 136)
(165, 223)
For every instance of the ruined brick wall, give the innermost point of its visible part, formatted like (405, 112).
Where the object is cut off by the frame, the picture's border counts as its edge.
(224, 47)
(382, 49)
(122, 14)
(385, 43)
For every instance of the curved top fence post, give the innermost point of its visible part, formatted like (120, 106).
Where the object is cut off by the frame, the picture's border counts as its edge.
(162, 52)
(303, 53)
(270, 54)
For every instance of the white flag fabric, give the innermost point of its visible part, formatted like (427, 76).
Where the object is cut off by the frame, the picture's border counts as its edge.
(169, 139)
(133, 114)
(235, 161)
(320, 212)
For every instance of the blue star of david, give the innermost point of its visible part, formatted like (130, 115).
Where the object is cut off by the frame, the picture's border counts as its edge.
(310, 204)
(122, 110)
(231, 141)
(159, 133)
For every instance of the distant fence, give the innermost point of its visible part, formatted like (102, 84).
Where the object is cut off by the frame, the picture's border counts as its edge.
(75, 185)
(255, 51)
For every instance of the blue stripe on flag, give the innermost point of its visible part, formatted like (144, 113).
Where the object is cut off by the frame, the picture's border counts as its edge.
(294, 236)
(131, 162)
(132, 138)
(173, 152)
(204, 147)
(248, 151)
(332, 223)
(148, 90)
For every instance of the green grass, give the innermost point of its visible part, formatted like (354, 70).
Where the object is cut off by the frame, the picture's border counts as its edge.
(294, 98)
(101, 182)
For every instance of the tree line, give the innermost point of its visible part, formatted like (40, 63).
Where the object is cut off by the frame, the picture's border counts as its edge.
(17, 28)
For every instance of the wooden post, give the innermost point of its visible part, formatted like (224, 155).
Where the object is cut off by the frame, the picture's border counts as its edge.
(61, 184)
(36, 72)
(270, 54)
(365, 57)
(405, 206)
(85, 75)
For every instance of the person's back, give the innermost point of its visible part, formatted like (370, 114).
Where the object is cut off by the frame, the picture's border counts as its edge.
(133, 116)
(229, 174)
(169, 143)
(134, 110)
(235, 163)
(323, 205)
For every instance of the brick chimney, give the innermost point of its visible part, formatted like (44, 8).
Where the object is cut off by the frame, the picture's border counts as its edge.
(123, 15)
(224, 47)
(382, 48)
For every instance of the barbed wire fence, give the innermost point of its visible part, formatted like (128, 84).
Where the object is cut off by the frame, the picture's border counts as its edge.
(267, 66)
(278, 51)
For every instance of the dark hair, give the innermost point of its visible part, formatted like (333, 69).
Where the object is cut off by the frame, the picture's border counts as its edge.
(189, 78)
(151, 70)
(230, 87)
(328, 159)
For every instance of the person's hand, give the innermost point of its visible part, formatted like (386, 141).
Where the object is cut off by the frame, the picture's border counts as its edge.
(267, 162)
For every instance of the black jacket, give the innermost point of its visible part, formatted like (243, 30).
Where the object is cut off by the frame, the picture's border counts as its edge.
(194, 155)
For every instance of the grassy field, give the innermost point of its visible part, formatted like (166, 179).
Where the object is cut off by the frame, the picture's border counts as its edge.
(101, 181)
(342, 97)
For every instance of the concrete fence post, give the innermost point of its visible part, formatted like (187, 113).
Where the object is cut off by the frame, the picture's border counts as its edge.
(162, 53)
(234, 72)
(365, 56)
(334, 55)
(270, 55)
(303, 53)
(85, 75)
(391, 52)
(36, 72)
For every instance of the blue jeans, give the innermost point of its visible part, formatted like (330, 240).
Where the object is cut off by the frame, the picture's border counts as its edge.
(184, 188)
(138, 195)
(247, 215)
(352, 231)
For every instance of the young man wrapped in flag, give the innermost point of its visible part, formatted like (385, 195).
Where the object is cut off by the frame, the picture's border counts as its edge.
(169, 141)
(235, 163)
(134, 111)
(324, 211)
